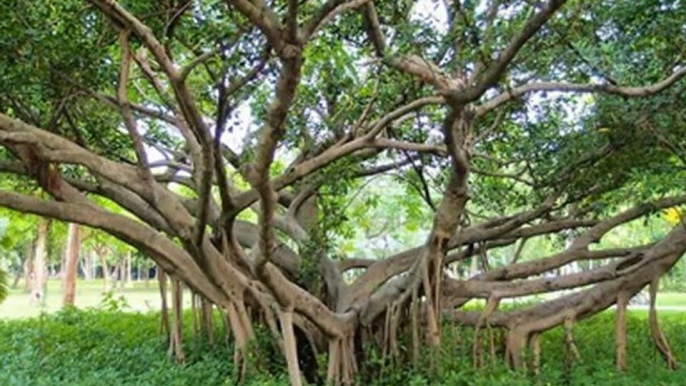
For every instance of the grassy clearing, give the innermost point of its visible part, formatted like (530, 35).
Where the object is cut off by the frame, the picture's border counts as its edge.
(671, 299)
(89, 293)
(142, 298)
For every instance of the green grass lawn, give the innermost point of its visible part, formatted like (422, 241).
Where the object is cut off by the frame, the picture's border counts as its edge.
(139, 297)
(98, 346)
(671, 299)
(89, 293)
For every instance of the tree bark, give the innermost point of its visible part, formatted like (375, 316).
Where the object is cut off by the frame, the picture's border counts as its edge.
(29, 264)
(164, 308)
(207, 319)
(176, 333)
(290, 348)
(40, 274)
(71, 265)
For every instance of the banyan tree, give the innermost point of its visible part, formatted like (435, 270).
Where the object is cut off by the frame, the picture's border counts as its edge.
(224, 139)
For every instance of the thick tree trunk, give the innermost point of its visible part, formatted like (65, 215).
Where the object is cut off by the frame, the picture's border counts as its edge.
(71, 265)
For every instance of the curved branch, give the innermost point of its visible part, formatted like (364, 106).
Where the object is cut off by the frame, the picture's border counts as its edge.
(624, 91)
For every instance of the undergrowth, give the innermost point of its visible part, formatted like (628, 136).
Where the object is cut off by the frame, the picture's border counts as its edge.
(100, 347)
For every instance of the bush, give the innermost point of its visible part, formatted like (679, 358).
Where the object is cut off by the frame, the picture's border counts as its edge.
(95, 347)
(84, 348)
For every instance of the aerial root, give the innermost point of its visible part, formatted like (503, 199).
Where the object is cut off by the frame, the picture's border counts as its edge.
(176, 326)
(164, 312)
(620, 330)
(207, 319)
(569, 338)
(484, 319)
(414, 325)
(290, 347)
(514, 352)
(243, 334)
(535, 344)
(195, 314)
(656, 332)
(342, 362)
(432, 312)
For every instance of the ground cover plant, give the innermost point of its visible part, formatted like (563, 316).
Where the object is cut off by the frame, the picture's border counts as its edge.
(96, 347)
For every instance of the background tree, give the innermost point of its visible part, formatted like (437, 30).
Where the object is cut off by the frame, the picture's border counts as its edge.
(71, 264)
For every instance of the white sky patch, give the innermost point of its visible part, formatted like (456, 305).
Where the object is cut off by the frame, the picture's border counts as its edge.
(433, 12)
(235, 137)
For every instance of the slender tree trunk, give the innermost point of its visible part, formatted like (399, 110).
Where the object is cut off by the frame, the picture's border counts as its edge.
(40, 275)
(128, 281)
(656, 332)
(207, 319)
(176, 334)
(164, 308)
(535, 344)
(71, 265)
(83, 267)
(146, 274)
(117, 275)
(63, 261)
(28, 266)
(121, 267)
(620, 330)
(290, 348)
(87, 265)
(93, 265)
(105, 269)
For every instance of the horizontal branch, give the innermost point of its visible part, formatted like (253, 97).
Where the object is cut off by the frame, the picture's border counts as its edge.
(628, 92)
(150, 241)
